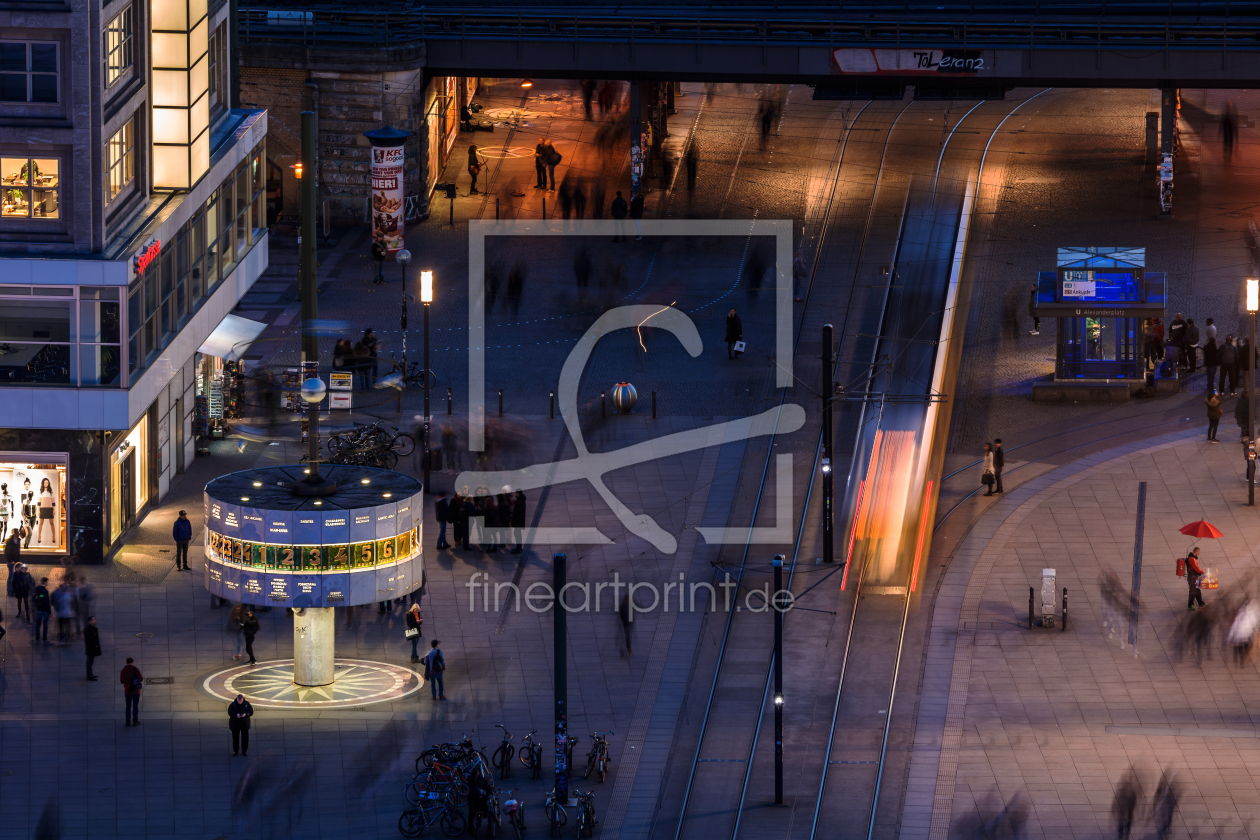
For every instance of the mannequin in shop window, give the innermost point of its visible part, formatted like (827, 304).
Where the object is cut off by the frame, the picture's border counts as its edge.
(27, 500)
(47, 508)
(7, 510)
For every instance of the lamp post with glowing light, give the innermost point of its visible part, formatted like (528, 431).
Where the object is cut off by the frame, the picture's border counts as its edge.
(1253, 304)
(426, 298)
(777, 604)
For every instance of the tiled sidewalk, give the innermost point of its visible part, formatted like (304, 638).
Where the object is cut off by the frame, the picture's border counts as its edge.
(1061, 716)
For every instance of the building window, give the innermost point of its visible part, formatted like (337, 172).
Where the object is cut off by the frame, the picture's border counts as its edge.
(120, 168)
(117, 47)
(28, 72)
(217, 53)
(29, 188)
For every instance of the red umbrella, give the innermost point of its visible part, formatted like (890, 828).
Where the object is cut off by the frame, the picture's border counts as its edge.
(1201, 530)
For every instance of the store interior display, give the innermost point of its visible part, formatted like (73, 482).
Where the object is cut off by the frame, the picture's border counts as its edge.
(32, 497)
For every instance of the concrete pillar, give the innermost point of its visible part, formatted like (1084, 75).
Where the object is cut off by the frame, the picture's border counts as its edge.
(313, 645)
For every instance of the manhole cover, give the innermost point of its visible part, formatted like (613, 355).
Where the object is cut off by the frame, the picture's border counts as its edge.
(145, 635)
(159, 680)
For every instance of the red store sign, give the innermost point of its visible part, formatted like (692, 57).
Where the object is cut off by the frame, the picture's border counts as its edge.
(148, 255)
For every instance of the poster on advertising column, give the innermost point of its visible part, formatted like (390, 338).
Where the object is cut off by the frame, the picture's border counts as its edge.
(388, 196)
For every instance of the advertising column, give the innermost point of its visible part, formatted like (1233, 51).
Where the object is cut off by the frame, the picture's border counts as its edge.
(388, 200)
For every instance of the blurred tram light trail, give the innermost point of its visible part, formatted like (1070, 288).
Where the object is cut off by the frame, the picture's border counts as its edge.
(879, 526)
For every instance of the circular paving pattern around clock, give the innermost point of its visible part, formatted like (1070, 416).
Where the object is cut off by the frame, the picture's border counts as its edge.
(269, 685)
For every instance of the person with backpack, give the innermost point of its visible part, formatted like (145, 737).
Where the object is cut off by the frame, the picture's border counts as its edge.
(91, 645)
(434, 668)
(1193, 573)
(552, 159)
(42, 603)
(181, 533)
(249, 627)
(133, 683)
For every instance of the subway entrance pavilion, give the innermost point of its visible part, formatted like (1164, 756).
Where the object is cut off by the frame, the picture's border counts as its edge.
(267, 545)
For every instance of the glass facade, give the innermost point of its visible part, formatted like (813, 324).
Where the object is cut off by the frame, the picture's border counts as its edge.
(51, 335)
(191, 266)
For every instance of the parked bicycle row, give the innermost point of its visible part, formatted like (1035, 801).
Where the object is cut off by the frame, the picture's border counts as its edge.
(449, 776)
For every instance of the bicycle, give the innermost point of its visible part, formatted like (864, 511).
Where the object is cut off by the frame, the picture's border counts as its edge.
(586, 821)
(597, 760)
(556, 814)
(515, 810)
(502, 758)
(531, 754)
(414, 821)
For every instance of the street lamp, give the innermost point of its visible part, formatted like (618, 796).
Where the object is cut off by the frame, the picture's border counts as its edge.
(1253, 303)
(426, 298)
(778, 678)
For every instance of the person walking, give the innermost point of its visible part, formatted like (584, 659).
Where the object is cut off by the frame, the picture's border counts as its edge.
(434, 668)
(734, 334)
(1125, 803)
(1228, 360)
(1214, 412)
(999, 461)
(91, 645)
(691, 159)
(1193, 573)
(986, 474)
(518, 521)
(249, 628)
(236, 626)
(43, 609)
(619, 209)
(540, 165)
(415, 630)
(359, 361)
(182, 534)
(239, 713)
(636, 213)
(442, 512)
(63, 603)
(800, 271)
(1032, 311)
(476, 160)
(373, 347)
(133, 683)
(1211, 360)
(1242, 416)
(22, 592)
(1192, 346)
(1177, 333)
(379, 252)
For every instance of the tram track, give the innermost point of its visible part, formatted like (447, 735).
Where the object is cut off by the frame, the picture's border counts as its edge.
(693, 821)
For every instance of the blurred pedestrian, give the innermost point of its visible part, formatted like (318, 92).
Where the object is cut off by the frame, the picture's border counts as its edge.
(13, 554)
(1124, 804)
(441, 512)
(236, 627)
(518, 520)
(379, 252)
(42, 603)
(490, 514)
(799, 272)
(239, 714)
(626, 617)
(552, 159)
(579, 198)
(1229, 128)
(342, 351)
(619, 210)
(986, 471)
(691, 159)
(503, 503)
(361, 360)
(476, 160)
(63, 604)
(636, 213)
(582, 267)
(91, 645)
(132, 682)
(588, 93)
(1243, 631)
(1032, 311)
(1113, 598)
(734, 333)
(415, 626)
(1211, 361)
(1228, 360)
(1214, 412)
(22, 586)
(516, 288)
(597, 198)
(182, 534)
(1242, 416)
(1164, 806)
(606, 94)
(434, 668)
(999, 461)
(1194, 572)
(373, 346)
(540, 165)
(1191, 358)
(249, 629)
(564, 198)
(765, 116)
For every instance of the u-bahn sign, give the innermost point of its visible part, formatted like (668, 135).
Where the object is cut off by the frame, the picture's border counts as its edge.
(912, 62)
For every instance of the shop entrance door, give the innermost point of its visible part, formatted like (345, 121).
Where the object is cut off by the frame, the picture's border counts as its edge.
(126, 490)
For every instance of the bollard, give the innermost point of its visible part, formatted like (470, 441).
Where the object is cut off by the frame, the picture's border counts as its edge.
(452, 204)
(500, 402)
(1063, 626)
(448, 401)
(496, 208)
(551, 411)
(1030, 607)
(603, 407)
(653, 405)
(544, 207)
(1047, 597)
